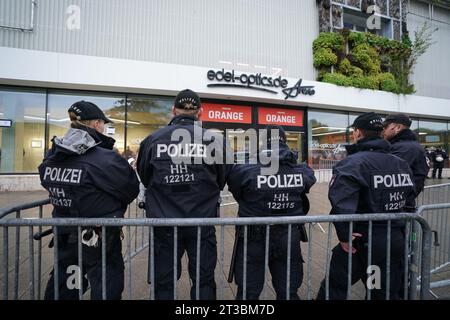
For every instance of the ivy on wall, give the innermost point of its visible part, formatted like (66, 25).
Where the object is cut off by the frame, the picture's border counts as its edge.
(369, 61)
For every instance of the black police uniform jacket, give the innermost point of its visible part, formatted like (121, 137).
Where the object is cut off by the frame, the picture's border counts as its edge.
(369, 180)
(181, 190)
(437, 153)
(406, 146)
(282, 193)
(85, 178)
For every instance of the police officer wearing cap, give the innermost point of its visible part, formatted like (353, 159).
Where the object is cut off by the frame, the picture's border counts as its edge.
(281, 193)
(181, 184)
(405, 145)
(85, 178)
(369, 180)
(438, 156)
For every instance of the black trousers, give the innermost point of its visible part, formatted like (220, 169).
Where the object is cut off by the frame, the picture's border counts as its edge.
(187, 242)
(278, 249)
(438, 169)
(92, 268)
(339, 267)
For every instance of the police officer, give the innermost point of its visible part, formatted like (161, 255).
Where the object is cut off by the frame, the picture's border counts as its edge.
(438, 157)
(369, 180)
(282, 193)
(404, 144)
(181, 184)
(86, 179)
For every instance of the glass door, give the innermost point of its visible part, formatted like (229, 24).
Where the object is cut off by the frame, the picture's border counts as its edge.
(240, 144)
(294, 141)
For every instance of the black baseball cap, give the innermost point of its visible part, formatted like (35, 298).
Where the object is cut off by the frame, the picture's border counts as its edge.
(188, 100)
(399, 118)
(85, 110)
(368, 121)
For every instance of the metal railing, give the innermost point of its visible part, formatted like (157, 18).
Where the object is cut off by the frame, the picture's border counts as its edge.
(323, 175)
(144, 226)
(438, 193)
(138, 242)
(434, 210)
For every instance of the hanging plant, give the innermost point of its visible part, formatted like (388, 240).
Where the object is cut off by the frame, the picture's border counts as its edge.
(372, 61)
(324, 58)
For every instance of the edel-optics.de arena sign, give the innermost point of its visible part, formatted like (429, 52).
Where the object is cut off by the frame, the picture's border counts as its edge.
(257, 81)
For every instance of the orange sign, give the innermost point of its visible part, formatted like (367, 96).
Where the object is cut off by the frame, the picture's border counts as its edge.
(281, 117)
(214, 112)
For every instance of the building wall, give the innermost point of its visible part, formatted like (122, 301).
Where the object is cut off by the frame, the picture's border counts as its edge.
(260, 36)
(271, 37)
(431, 75)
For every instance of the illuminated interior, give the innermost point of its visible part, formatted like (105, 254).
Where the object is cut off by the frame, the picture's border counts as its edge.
(38, 115)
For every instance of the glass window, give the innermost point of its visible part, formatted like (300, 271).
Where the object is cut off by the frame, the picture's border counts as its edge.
(433, 134)
(22, 144)
(357, 21)
(112, 106)
(386, 28)
(354, 20)
(144, 116)
(327, 138)
(415, 125)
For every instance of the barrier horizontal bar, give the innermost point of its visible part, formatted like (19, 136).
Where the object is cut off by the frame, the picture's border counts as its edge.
(163, 222)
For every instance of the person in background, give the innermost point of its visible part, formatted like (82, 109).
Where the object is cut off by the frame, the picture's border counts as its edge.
(438, 157)
(405, 145)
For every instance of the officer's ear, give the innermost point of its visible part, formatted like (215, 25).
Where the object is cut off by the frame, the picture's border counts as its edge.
(398, 127)
(98, 125)
(174, 112)
(199, 114)
(357, 135)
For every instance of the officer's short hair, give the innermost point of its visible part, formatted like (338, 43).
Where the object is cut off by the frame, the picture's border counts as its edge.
(399, 118)
(370, 133)
(77, 124)
(187, 102)
(190, 112)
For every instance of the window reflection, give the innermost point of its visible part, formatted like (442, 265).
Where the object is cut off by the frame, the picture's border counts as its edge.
(145, 115)
(22, 144)
(327, 138)
(112, 106)
(433, 134)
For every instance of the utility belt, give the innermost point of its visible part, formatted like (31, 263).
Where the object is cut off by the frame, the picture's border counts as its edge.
(258, 232)
(90, 236)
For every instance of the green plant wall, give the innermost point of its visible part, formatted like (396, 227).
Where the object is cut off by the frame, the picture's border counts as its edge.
(363, 60)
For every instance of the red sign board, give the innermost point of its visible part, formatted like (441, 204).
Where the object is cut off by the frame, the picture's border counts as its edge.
(214, 112)
(281, 117)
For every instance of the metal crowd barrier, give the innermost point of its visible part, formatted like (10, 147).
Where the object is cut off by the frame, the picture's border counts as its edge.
(438, 193)
(323, 175)
(144, 226)
(327, 163)
(437, 217)
(323, 170)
